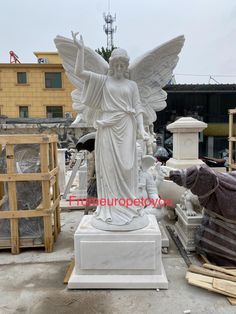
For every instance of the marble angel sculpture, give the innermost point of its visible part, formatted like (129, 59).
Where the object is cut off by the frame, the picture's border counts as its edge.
(118, 98)
(147, 187)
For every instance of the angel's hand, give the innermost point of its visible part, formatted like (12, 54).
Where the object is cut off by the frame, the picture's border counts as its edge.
(78, 43)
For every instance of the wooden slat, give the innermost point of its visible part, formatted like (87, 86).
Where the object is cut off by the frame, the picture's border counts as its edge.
(6, 243)
(205, 282)
(25, 177)
(55, 204)
(207, 286)
(212, 273)
(29, 176)
(52, 182)
(69, 271)
(199, 277)
(27, 139)
(48, 236)
(204, 258)
(233, 271)
(3, 200)
(12, 201)
(10, 214)
(53, 172)
(232, 301)
(220, 269)
(52, 156)
(57, 217)
(225, 286)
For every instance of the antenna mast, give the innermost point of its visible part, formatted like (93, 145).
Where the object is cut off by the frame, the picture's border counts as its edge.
(108, 27)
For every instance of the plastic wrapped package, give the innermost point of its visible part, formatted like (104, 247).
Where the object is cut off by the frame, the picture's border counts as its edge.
(216, 239)
(29, 193)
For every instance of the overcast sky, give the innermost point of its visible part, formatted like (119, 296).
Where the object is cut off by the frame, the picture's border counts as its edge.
(209, 27)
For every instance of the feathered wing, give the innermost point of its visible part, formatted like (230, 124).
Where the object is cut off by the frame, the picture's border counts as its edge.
(92, 62)
(152, 71)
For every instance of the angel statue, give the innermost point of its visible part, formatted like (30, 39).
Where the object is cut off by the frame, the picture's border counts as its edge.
(118, 100)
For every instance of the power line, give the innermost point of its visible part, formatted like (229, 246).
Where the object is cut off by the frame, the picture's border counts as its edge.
(206, 75)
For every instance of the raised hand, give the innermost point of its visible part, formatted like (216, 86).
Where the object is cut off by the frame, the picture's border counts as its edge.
(78, 43)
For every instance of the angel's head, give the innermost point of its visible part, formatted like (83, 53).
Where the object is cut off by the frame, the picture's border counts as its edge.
(119, 63)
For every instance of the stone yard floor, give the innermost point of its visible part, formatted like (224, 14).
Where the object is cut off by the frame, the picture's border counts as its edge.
(32, 283)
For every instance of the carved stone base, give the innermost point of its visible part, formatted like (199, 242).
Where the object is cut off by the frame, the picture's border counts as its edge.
(118, 260)
(186, 227)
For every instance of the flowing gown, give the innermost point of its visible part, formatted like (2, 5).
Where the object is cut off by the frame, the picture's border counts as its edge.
(113, 106)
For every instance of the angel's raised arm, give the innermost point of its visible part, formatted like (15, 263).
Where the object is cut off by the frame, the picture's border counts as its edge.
(79, 64)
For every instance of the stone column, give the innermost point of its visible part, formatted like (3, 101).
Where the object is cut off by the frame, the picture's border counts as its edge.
(185, 142)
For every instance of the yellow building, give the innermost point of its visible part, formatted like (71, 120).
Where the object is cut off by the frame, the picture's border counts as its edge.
(35, 90)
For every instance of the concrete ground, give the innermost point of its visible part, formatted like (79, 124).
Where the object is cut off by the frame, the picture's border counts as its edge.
(32, 283)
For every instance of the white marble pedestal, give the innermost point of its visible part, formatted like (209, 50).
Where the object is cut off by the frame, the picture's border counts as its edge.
(118, 260)
(185, 142)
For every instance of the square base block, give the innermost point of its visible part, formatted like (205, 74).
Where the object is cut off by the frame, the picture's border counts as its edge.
(186, 227)
(118, 260)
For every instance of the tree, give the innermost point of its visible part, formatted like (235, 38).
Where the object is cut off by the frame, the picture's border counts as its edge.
(105, 52)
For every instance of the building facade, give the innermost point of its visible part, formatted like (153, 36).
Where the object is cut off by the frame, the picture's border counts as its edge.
(35, 90)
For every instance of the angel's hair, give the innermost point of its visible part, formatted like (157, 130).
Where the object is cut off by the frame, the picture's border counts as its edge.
(119, 54)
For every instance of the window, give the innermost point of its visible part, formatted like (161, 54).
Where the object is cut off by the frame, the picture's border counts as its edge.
(54, 112)
(21, 78)
(23, 112)
(53, 80)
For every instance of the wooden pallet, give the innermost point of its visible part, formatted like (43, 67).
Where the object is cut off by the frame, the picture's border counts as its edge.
(49, 207)
(214, 278)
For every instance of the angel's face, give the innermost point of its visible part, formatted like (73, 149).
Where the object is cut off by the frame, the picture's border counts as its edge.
(119, 68)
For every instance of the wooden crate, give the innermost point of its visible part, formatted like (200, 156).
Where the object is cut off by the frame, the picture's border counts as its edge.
(48, 209)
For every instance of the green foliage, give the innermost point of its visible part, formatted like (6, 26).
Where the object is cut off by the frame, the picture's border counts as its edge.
(105, 52)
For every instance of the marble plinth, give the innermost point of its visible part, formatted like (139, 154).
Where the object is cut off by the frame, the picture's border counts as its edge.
(186, 227)
(118, 260)
(185, 142)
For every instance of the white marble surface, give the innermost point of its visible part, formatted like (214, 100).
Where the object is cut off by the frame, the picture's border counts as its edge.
(62, 169)
(186, 227)
(81, 180)
(117, 254)
(185, 142)
(105, 259)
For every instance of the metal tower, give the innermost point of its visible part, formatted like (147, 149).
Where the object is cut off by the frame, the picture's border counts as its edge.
(108, 27)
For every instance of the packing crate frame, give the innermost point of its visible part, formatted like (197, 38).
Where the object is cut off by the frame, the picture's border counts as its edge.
(49, 208)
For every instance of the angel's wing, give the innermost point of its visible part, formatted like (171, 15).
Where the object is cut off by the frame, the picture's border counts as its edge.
(92, 62)
(152, 71)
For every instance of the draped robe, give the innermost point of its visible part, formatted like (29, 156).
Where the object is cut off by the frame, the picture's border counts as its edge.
(113, 107)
